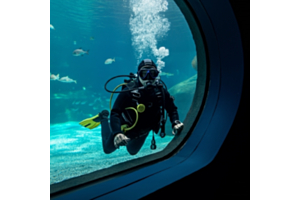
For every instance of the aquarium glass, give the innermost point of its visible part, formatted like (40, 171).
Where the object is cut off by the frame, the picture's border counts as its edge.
(93, 41)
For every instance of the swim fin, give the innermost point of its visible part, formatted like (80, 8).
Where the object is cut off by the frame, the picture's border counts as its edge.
(91, 123)
(95, 121)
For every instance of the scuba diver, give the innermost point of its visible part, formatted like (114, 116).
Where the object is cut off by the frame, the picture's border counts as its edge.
(138, 109)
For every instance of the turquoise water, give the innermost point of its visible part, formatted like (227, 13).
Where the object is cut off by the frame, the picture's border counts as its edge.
(126, 31)
(75, 150)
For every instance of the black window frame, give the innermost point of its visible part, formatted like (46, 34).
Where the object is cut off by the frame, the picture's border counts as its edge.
(211, 120)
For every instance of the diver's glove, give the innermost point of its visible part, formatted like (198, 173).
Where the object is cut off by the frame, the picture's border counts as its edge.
(177, 127)
(120, 140)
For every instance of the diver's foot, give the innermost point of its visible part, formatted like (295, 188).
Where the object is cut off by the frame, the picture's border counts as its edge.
(103, 114)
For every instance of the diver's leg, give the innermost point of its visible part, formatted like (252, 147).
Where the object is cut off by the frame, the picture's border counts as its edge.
(107, 136)
(135, 145)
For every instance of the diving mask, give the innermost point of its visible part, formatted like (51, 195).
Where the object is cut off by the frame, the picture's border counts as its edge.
(148, 73)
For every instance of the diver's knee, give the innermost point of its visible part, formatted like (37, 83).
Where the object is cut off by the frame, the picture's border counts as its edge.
(132, 153)
(108, 151)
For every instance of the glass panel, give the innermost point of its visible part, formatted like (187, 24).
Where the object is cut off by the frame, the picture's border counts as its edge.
(93, 41)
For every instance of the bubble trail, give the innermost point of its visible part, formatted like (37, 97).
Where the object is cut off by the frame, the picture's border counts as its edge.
(147, 24)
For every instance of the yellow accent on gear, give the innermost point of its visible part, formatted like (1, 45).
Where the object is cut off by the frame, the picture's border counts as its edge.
(136, 120)
(141, 108)
(91, 124)
(124, 127)
(111, 96)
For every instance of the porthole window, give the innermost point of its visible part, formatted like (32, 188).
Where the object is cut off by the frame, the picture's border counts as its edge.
(94, 41)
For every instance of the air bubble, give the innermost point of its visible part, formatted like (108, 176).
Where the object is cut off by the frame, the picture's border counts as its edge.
(147, 24)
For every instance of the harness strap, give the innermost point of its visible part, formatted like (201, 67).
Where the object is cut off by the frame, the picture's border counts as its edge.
(153, 145)
(163, 121)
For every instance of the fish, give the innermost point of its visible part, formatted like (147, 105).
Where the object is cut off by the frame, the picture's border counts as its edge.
(74, 42)
(53, 77)
(80, 52)
(66, 79)
(165, 74)
(109, 61)
(92, 38)
(59, 96)
(194, 63)
(52, 27)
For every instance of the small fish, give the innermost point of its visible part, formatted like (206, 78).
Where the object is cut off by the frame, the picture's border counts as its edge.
(74, 42)
(109, 61)
(53, 77)
(92, 38)
(52, 27)
(66, 79)
(165, 74)
(194, 63)
(80, 52)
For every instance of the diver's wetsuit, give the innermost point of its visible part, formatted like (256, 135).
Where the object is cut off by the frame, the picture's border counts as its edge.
(147, 121)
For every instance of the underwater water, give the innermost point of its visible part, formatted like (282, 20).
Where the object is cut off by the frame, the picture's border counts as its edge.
(114, 37)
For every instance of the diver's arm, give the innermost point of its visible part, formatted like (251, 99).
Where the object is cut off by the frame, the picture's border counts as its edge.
(115, 120)
(177, 125)
(116, 112)
(171, 107)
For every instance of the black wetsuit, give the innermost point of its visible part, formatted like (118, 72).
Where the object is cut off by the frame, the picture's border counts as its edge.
(148, 120)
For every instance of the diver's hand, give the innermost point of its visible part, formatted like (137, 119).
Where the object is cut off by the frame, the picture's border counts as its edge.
(121, 140)
(177, 128)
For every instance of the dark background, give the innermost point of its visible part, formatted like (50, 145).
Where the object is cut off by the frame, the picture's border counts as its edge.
(228, 175)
